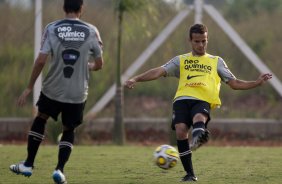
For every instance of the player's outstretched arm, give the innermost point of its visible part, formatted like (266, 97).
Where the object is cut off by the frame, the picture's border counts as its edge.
(149, 75)
(238, 84)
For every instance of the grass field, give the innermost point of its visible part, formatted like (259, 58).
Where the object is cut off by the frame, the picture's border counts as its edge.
(133, 165)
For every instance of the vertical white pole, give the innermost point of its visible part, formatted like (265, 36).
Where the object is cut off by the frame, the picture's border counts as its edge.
(37, 40)
(198, 11)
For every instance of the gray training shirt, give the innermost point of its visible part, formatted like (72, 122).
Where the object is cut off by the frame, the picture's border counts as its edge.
(70, 42)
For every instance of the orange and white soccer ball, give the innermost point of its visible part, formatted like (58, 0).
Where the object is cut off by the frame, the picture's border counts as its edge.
(166, 156)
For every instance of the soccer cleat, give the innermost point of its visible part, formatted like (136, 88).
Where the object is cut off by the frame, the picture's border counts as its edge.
(200, 137)
(189, 178)
(59, 177)
(206, 137)
(20, 168)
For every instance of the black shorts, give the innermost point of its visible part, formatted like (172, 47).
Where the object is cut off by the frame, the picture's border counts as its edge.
(184, 111)
(71, 114)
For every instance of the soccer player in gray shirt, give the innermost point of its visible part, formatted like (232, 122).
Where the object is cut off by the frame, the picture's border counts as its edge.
(72, 44)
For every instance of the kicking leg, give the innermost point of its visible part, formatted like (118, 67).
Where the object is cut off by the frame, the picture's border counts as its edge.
(199, 133)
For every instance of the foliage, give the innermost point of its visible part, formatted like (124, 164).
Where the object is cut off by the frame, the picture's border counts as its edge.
(242, 9)
(122, 7)
(251, 21)
(129, 5)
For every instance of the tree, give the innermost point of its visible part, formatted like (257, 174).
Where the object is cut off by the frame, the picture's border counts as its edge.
(122, 7)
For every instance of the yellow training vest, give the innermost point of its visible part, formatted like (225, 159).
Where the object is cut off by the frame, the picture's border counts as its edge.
(199, 78)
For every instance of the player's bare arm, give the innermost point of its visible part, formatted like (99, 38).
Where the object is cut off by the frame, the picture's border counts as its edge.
(37, 68)
(149, 75)
(238, 84)
(97, 64)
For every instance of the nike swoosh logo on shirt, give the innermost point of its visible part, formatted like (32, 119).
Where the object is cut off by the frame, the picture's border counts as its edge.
(192, 76)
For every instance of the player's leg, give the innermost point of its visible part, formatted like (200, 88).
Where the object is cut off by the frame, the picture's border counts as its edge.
(35, 136)
(65, 148)
(185, 153)
(72, 116)
(200, 113)
(179, 120)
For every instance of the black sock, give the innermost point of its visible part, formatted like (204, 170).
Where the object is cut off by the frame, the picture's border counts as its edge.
(198, 126)
(185, 155)
(65, 148)
(35, 137)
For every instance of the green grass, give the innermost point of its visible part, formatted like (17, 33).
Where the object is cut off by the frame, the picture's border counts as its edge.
(133, 165)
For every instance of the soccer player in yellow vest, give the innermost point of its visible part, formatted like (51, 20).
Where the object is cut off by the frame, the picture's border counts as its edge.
(199, 76)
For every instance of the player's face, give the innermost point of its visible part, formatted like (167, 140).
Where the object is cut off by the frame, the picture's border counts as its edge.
(199, 43)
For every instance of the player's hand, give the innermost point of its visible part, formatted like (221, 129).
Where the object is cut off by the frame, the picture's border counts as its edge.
(22, 99)
(263, 78)
(130, 83)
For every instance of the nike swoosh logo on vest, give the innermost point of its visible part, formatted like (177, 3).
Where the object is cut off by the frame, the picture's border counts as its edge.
(190, 77)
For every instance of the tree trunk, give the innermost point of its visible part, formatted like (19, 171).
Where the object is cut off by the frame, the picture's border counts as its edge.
(118, 129)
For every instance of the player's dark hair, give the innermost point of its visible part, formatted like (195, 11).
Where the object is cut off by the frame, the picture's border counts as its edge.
(72, 6)
(197, 28)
